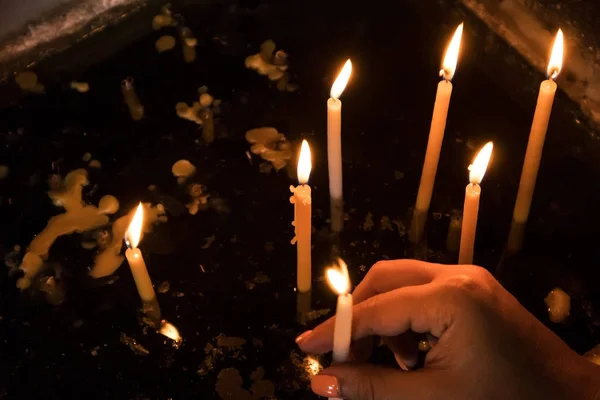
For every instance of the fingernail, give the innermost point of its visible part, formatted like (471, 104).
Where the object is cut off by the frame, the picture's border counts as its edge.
(303, 337)
(325, 385)
(400, 362)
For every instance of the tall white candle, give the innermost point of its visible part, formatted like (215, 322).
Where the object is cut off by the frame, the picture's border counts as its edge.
(535, 146)
(436, 137)
(342, 335)
(334, 147)
(302, 219)
(138, 266)
(471, 207)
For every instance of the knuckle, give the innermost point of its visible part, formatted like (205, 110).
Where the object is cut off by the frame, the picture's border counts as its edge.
(364, 388)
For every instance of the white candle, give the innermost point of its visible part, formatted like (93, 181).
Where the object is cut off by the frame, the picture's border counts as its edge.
(537, 136)
(334, 147)
(342, 335)
(302, 219)
(436, 137)
(471, 207)
(138, 266)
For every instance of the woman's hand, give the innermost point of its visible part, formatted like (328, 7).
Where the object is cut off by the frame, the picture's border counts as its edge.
(488, 346)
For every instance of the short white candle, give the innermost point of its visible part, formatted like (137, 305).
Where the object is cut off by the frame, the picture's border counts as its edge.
(436, 137)
(303, 219)
(334, 147)
(137, 264)
(471, 207)
(342, 335)
(535, 147)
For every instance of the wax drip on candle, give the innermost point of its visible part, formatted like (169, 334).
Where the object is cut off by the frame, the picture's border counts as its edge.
(164, 19)
(77, 217)
(183, 170)
(165, 43)
(559, 305)
(28, 81)
(81, 87)
(136, 109)
(270, 145)
(273, 64)
(110, 258)
(199, 199)
(305, 200)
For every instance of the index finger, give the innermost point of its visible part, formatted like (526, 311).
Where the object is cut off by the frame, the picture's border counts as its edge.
(386, 276)
(419, 309)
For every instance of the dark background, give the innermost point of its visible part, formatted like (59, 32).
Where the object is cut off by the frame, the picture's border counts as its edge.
(396, 50)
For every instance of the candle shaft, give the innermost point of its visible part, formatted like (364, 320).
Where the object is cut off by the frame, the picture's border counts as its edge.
(303, 224)
(342, 335)
(432, 157)
(469, 224)
(533, 156)
(334, 161)
(140, 275)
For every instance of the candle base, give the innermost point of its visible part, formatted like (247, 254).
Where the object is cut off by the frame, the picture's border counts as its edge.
(337, 214)
(152, 310)
(417, 226)
(303, 307)
(516, 237)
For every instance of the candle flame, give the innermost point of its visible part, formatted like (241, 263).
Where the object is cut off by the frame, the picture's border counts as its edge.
(338, 278)
(134, 232)
(556, 58)
(169, 330)
(313, 366)
(451, 57)
(341, 81)
(304, 163)
(479, 166)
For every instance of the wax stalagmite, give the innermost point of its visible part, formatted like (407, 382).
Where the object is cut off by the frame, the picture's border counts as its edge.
(436, 137)
(136, 109)
(138, 266)
(471, 207)
(535, 146)
(334, 147)
(303, 220)
(342, 334)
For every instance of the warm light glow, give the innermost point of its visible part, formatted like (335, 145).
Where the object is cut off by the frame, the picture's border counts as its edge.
(341, 81)
(167, 329)
(451, 57)
(556, 59)
(480, 164)
(304, 163)
(338, 278)
(134, 232)
(313, 366)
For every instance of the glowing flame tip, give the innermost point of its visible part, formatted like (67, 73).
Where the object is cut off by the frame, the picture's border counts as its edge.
(341, 81)
(451, 57)
(304, 163)
(338, 278)
(134, 232)
(480, 164)
(557, 56)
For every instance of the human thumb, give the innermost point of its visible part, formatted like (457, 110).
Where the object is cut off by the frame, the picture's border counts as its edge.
(369, 382)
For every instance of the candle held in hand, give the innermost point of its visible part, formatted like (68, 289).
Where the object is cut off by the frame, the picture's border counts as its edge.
(334, 147)
(436, 137)
(471, 207)
(138, 266)
(302, 219)
(342, 335)
(535, 146)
